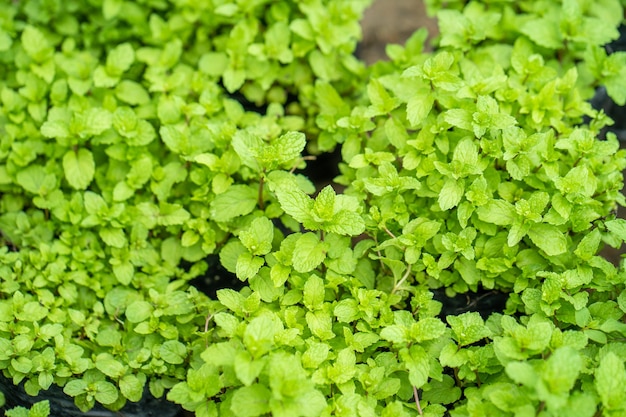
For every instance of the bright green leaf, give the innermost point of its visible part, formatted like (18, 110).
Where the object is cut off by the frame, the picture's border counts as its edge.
(548, 238)
(251, 401)
(79, 167)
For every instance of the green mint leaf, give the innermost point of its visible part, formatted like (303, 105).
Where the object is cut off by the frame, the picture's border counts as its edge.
(466, 153)
(251, 401)
(522, 373)
(610, 377)
(109, 366)
(75, 387)
(55, 129)
(113, 237)
(246, 369)
(259, 335)
(460, 118)
(347, 310)
(621, 301)
(309, 252)
(123, 191)
(237, 201)
(295, 203)
(106, 392)
(417, 363)
(22, 364)
(579, 180)
(395, 333)
(132, 387)
(327, 97)
(248, 266)
(281, 152)
(320, 322)
(617, 227)
(315, 355)
(382, 101)
(336, 213)
(344, 367)
(286, 149)
(488, 116)
(451, 194)
(548, 238)
(232, 300)
(176, 140)
(132, 93)
(233, 79)
(102, 79)
(213, 63)
(173, 352)
(106, 337)
(544, 31)
(36, 44)
(139, 311)
(266, 287)
(32, 311)
(36, 180)
(5, 41)
(257, 238)
(79, 167)
(172, 214)
(324, 204)
(248, 146)
(95, 204)
(39, 409)
(468, 328)
(562, 369)
(418, 108)
(120, 59)
(94, 121)
(277, 42)
(614, 82)
(346, 222)
(498, 212)
(314, 293)
(588, 246)
(396, 132)
(230, 254)
(111, 8)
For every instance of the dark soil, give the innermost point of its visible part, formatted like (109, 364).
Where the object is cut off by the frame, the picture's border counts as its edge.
(391, 21)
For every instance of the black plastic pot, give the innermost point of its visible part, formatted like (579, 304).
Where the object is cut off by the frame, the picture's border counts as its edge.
(62, 405)
(483, 302)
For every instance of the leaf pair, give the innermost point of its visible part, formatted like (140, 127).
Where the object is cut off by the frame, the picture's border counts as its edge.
(328, 212)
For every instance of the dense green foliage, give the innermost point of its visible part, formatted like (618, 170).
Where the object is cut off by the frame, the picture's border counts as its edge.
(172, 130)
(39, 409)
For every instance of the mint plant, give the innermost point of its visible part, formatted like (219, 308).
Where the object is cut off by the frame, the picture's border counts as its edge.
(168, 132)
(39, 409)
(118, 175)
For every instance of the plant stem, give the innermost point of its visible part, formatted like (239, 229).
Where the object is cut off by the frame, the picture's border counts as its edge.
(541, 407)
(417, 401)
(304, 158)
(206, 327)
(260, 197)
(389, 232)
(404, 278)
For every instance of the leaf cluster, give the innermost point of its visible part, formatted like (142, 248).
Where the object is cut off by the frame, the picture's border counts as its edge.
(170, 131)
(119, 174)
(39, 409)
